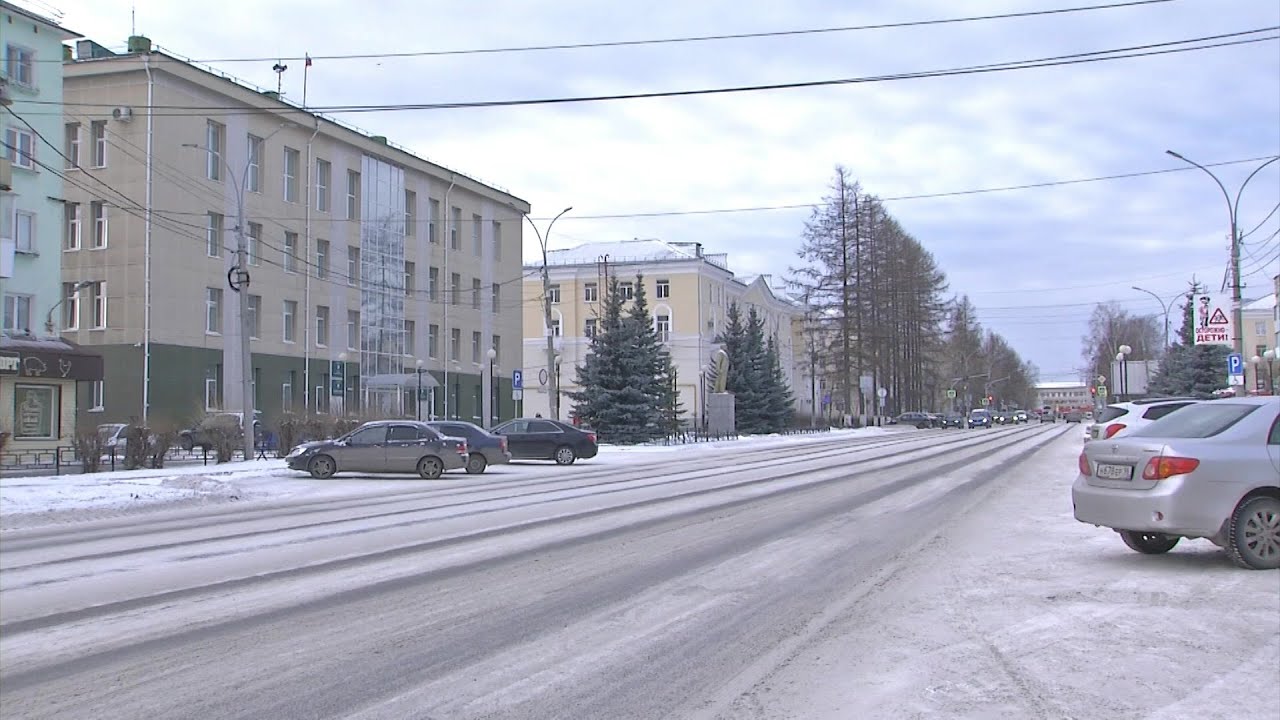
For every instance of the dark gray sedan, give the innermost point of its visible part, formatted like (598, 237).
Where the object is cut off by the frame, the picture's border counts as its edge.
(484, 447)
(383, 446)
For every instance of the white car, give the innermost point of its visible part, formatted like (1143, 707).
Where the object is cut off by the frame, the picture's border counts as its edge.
(1121, 419)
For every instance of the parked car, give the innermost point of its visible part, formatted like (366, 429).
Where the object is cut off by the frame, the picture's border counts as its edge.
(1073, 416)
(113, 437)
(542, 439)
(382, 446)
(954, 420)
(200, 435)
(979, 418)
(1124, 418)
(1208, 470)
(483, 447)
(918, 419)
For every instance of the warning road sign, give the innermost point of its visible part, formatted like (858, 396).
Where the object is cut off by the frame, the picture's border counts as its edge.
(1212, 320)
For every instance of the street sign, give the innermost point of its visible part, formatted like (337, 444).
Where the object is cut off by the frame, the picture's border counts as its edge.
(517, 379)
(986, 401)
(1235, 364)
(951, 394)
(337, 378)
(1102, 392)
(1237, 380)
(517, 394)
(883, 393)
(1212, 320)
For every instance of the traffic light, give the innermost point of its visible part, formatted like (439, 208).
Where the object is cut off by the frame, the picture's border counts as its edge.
(1093, 392)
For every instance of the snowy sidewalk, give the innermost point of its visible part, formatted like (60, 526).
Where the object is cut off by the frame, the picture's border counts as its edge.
(1019, 611)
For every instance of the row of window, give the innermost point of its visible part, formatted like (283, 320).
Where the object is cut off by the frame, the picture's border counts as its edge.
(323, 318)
(591, 291)
(661, 324)
(18, 310)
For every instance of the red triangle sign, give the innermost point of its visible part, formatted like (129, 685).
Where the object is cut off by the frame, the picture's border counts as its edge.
(1219, 318)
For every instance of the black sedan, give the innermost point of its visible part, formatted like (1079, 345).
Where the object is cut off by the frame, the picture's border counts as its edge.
(382, 446)
(485, 448)
(954, 420)
(542, 439)
(918, 419)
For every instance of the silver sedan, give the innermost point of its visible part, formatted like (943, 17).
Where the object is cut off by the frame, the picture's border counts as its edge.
(385, 446)
(1210, 470)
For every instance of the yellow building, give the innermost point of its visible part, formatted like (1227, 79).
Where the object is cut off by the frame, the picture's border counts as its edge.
(689, 293)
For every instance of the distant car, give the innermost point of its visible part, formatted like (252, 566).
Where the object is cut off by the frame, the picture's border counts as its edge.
(1021, 416)
(1073, 416)
(200, 435)
(1119, 419)
(382, 446)
(483, 447)
(918, 419)
(542, 439)
(953, 420)
(113, 437)
(979, 418)
(1004, 417)
(1207, 470)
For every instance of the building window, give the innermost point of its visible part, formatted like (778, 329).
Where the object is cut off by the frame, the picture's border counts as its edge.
(292, 158)
(432, 221)
(555, 326)
(497, 297)
(591, 292)
(410, 212)
(455, 242)
(353, 265)
(24, 231)
(213, 235)
(72, 146)
(17, 313)
(290, 320)
(410, 337)
(322, 326)
(290, 252)
(99, 212)
(254, 303)
(353, 329)
(476, 243)
(322, 259)
(215, 136)
(213, 311)
(589, 329)
(21, 148)
(71, 307)
(96, 395)
(409, 270)
(20, 65)
(324, 178)
(253, 245)
(628, 290)
(553, 292)
(475, 346)
(497, 349)
(353, 195)
(663, 326)
(36, 411)
(98, 132)
(455, 288)
(433, 341)
(211, 392)
(1260, 328)
(286, 392)
(475, 293)
(497, 240)
(455, 344)
(99, 291)
(433, 283)
(662, 289)
(253, 179)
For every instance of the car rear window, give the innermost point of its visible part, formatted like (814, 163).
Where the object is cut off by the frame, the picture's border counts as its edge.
(1159, 411)
(1200, 420)
(1110, 412)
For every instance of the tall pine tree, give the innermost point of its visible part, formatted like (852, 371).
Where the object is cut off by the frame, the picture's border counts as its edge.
(781, 400)
(762, 398)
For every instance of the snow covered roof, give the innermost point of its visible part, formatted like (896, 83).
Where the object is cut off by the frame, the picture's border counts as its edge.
(624, 251)
(1263, 303)
(1059, 385)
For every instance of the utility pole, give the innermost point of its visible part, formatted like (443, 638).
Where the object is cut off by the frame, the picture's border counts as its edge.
(553, 380)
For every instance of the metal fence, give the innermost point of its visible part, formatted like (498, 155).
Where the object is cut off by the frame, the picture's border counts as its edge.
(64, 460)
(697, 435)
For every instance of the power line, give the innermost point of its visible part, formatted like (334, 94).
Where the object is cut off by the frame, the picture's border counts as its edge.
(1051, 61)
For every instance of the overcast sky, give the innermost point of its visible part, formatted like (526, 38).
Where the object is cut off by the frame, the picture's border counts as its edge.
(1034, 261)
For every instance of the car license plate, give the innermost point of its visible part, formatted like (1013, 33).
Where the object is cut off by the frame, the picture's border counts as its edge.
(1114, 472)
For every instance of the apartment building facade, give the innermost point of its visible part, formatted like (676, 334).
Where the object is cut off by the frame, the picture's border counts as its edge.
(1259, 333)
(41, 376)
(689, 293)
(376, 278)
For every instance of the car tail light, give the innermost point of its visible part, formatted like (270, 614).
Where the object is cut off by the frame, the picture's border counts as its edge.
(502, 443)
(1112, 429)
(462, 447)
(1084, 465)
(1163, 468)
(591, 436)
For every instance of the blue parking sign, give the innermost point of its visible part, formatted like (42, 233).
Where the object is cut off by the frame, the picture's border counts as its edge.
(1235, 364)
(517, 379)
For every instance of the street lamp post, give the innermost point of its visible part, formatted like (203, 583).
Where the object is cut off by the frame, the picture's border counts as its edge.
(1233, 210)
(493, 389)
(48, 319)
(1270, 357)
(1122, 359)
(1163, 306)
(553, 380)
(417, 399)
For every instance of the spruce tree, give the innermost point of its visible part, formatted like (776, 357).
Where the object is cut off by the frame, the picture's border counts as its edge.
(610, 400)
(650, 364)
(780, 397)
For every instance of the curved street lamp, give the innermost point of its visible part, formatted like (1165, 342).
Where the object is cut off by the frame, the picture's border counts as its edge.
(1163, 306)
(553, 381)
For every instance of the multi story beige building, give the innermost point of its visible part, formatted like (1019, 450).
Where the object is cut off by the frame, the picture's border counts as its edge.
(689, 293)
(372, 270)
(1259, 333)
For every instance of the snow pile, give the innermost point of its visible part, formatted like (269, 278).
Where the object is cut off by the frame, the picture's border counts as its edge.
(202, 485)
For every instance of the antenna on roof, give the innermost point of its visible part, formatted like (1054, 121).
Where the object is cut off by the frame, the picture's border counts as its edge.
(279, 67)
(133, 20)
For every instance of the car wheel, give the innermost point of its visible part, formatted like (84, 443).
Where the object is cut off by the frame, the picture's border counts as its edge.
(322, 467)
(1149, 543)
(476, 464)
(429, 468)
(565, 455)
(1253, 537)
(922, 426)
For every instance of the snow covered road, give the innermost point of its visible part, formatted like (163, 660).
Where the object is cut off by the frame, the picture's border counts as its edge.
(887, 574)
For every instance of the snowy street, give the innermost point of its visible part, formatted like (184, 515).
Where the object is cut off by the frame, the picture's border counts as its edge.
(884, 573)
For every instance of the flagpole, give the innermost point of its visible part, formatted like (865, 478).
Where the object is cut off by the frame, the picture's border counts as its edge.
(306, 65)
